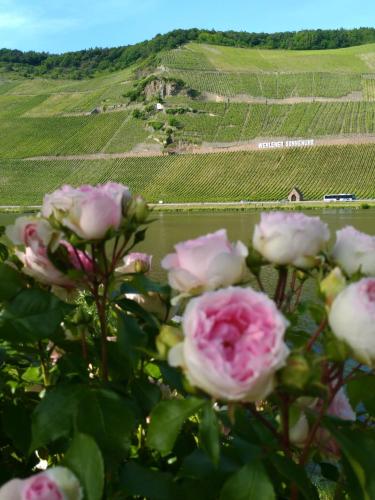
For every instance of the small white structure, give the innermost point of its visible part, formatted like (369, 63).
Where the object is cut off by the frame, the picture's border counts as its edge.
(159, 106)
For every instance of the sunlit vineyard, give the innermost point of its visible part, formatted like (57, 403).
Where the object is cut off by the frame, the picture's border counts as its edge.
(222, 122)
(111, 132)
(270, 85)
(267, 175)
(356, 59)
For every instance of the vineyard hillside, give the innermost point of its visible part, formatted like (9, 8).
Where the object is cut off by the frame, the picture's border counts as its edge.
(197, 98)
(237, 176)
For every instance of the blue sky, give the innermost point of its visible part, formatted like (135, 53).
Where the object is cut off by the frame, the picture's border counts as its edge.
(63, 25)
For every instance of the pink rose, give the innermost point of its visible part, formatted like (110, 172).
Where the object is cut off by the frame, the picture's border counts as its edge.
(58, 483)
(290, 238)
(136, 262)
(31, 232)
(38, 265)
(78, 259)
(355, 251)
(339, 408)
(233, 344)
(41, 487)
(37, 236)
(205, 263)
(88, 211)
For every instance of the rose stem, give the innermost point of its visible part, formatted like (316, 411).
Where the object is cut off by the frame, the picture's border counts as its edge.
(281, 284)
(316, 334)
(101, 309)
(43, 364)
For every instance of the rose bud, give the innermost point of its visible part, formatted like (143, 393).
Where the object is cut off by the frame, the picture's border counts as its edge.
(352, 319)
(290, 238)
(233, 344)
(299, 431)
(168, 337)
(138, 209)
(355, 251)
(205, 263)
(297, 371)
(135, 262)
(332, 285)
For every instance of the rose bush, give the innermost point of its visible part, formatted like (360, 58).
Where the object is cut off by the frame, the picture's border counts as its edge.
(214, 386)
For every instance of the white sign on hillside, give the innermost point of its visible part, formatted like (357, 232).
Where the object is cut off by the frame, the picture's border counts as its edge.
(286, 144)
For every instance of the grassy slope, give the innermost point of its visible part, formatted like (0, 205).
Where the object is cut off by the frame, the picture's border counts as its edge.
(212, 177)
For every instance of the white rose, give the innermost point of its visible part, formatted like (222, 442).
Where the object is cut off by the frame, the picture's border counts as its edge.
(290, 238)
(206, 263)
(352, 319)
(355, 251)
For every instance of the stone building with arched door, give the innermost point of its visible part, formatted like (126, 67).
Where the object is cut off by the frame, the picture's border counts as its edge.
(295, 195)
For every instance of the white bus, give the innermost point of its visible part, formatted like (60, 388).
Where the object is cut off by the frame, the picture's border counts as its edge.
(339, 197)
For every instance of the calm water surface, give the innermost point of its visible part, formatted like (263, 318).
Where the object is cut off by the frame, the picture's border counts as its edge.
(169, 229)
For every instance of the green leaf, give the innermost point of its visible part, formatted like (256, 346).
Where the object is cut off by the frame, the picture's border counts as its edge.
(359, 450)
(4, 252)
(141, 481)
(107, 417)
(17, 425)
(54, 417)
(166, 421)
(146, 393)
(32, 315)
(293, 473)
(361, 390)
(139, 236)
(130, 338)
(142, 284)
(249, 483)
(133, 307)
(85, 460)
(10, 282)
(209, 433)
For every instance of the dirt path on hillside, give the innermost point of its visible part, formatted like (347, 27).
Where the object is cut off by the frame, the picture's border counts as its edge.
(211, 148)
(354, 96)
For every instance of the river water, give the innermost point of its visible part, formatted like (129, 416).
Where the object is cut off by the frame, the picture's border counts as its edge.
(169, 229)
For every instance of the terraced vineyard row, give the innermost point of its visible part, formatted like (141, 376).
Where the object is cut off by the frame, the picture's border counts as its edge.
(235, 122)
(270, 85)
(265, 175)
(25, 137)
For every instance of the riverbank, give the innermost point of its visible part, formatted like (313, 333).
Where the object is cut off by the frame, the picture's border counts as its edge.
(261, 205)
(222, 206)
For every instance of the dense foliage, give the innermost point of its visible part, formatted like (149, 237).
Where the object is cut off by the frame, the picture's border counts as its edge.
(85, 63)
(216, 386)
